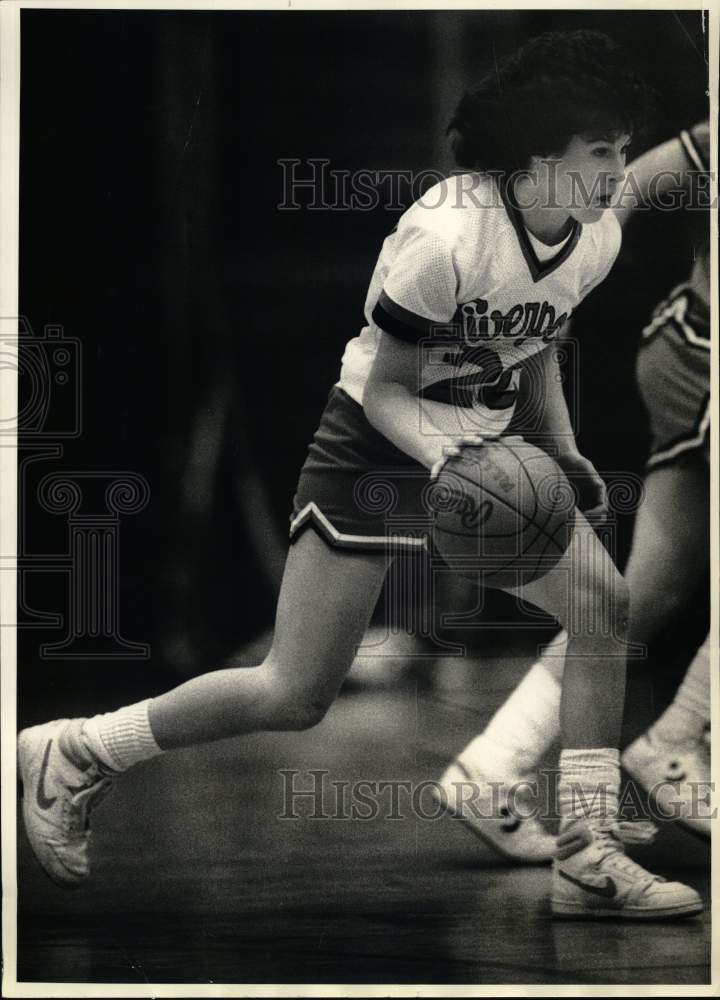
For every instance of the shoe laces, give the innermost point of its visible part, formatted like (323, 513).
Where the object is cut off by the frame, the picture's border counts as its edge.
(610, 837)
(641, 832)
(83, 799)
(612, 834)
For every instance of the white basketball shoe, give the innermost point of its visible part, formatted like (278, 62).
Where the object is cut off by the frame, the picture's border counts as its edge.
(60, 788)
(593, 877)
(677, 779)
(492, 813)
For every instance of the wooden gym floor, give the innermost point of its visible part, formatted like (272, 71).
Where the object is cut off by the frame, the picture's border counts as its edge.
(197, 879)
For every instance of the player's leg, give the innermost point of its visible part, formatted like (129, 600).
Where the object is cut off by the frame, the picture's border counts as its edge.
(670, 544)
(526, 724)
(327, 598)
(494, 766)
(669, 552)
(578, 602)
(687, 717)
(670, 541)
(672, 759)
(592, 875)
(668, 556)
(589, 598)
(670, 548)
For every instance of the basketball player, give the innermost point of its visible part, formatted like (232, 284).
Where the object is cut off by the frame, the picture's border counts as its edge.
(668, 557)
(498, 256)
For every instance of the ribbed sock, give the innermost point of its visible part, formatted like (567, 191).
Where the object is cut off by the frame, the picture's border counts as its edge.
(684, 720)
(122, 738)
(589, 784)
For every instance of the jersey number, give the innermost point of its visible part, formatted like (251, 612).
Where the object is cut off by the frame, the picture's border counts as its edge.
(492, 386)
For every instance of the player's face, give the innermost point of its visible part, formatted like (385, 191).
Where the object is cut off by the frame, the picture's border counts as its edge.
(589, 173)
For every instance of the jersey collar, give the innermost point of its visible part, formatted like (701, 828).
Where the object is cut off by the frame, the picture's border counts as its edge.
(539, 269)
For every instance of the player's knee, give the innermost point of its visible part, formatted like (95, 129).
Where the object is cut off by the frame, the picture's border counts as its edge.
(302, 711)
(295, 706)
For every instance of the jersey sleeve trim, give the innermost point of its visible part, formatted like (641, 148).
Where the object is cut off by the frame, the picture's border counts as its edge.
(399, 322)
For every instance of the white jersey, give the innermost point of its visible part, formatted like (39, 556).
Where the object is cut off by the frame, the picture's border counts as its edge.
(462, 277)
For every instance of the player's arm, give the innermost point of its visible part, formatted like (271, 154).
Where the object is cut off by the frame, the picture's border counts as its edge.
(658, 172)
(556, 430)
(555, 424)
(392, 404)
(419, 294)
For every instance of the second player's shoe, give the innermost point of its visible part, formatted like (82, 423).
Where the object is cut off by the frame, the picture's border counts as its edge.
(593, 878)
(677, 779)
(60, 787)
(486, 811)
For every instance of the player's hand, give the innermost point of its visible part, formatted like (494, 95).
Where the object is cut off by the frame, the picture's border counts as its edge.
(454, 450)
(583, 475)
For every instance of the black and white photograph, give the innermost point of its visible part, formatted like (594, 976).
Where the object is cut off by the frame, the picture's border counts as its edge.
(358, 579)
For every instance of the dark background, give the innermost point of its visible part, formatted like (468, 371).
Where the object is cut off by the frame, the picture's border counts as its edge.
(212, 324)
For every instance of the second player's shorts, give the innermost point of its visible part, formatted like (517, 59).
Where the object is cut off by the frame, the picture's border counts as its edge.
(356, 489)
(673, 373)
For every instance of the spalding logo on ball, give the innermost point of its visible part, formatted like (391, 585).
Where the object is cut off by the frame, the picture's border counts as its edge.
(503, 514)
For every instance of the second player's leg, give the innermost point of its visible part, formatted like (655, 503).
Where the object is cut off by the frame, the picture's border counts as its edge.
(326, 601)
(670, 545)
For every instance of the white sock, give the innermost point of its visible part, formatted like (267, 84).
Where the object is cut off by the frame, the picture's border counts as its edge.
(122, 738)
(525, 725)
(684, 720)
(589, 784)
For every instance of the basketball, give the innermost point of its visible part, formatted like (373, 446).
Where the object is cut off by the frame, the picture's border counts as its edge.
(504, 513)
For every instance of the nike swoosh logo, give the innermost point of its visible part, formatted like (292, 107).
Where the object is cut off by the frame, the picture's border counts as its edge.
(42, 800)
(675, 775)
(510, 823)
(608, 890)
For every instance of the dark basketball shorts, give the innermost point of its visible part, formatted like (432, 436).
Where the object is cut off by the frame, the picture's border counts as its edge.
(359, 491)
(673, 373)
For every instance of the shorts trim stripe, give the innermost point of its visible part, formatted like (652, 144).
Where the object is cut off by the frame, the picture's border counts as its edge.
(685, 444)
(312, 516)
(674, 310)
(694, 339)
(691, 151)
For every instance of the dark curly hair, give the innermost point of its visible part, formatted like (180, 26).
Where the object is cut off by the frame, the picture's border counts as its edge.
(532, 102)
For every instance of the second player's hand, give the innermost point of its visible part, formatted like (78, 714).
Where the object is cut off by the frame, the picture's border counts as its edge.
(592, 491)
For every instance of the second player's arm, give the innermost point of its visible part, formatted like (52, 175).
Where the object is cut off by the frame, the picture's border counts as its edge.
(659, 171)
